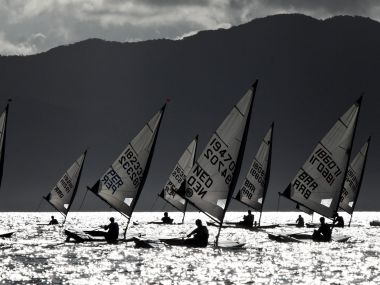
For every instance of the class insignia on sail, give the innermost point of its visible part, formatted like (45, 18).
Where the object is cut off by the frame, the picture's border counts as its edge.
(63, 193)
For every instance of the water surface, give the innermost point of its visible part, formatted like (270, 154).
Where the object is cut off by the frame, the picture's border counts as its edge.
(37, 254)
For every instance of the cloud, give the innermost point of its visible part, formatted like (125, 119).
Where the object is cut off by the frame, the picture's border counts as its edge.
(9, 48)
(66, 21)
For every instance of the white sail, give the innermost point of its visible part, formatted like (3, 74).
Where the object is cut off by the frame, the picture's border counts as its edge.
(121, 184)
(178, 177)
(63, 193)
(213, 177)
(3, 125)
(318, 184)
(353, 180)
(253, 190)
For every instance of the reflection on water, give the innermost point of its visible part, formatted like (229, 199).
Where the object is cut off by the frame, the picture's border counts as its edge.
(37, 254)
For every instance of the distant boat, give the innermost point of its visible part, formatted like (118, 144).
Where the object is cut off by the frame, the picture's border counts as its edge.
(212, 180)
(255, 185)
(177, 179)
(3, 133)
(319, 183)
(353, 181)
(63, 193)
(121, 185)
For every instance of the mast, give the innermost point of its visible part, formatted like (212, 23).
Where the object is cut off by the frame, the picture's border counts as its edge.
(238, 161)
(184, 213)
(3, 134)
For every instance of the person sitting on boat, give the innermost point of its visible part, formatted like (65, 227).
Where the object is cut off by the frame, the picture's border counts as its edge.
(53, 221)
(323, 233)
(166, 219)
(300, 222)
(338, 221)
(200, 238)
(247, 220)
(113, 231)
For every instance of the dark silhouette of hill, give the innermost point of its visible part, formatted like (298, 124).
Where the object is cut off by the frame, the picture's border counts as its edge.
(99, 94)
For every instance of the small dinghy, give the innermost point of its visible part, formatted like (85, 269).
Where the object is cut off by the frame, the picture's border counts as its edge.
(238, 226)
(79, 237)
(221, 244)
(6, 234)
(283, 238)
(162, 223)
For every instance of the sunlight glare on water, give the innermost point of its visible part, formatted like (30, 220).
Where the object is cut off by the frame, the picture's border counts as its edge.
(37, 254)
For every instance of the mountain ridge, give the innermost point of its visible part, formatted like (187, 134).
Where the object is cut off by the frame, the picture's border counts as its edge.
(99, 94)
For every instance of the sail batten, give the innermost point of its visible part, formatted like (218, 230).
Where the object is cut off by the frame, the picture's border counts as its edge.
(213, 177)
(254, 187)
(63, 193)
(319, 182)
(121, 185)
(178, 177)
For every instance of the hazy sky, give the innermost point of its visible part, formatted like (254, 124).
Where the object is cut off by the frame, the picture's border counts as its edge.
(32, 26)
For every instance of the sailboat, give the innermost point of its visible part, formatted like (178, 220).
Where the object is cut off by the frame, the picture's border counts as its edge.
(319, 182)
(121, 185)
(354, 179)
(352, 185)
(253, 190)
(178, 177)
(3, 133)
(255, 185)
(212, 179)
(63, 193)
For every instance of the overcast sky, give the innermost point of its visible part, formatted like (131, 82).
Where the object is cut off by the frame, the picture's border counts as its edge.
(32, 26)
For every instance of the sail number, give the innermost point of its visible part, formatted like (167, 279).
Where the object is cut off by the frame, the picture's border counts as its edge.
(132, 166)
(67, 185)
(257, 173)
(179, 176)
(325, 165)
(219, 156)
(352, 181)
